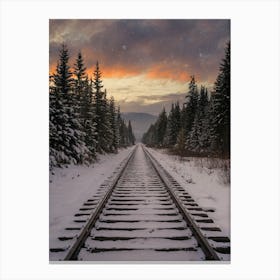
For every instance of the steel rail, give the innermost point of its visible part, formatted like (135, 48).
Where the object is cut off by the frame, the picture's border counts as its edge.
(76, 247)
(209, 252)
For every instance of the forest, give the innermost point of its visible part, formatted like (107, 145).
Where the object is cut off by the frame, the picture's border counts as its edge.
(83, 121)
(201, 126)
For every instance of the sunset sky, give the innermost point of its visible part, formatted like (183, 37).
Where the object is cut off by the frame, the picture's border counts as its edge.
(145, 64)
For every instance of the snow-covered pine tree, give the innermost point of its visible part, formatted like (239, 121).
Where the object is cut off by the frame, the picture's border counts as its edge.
(220, 136)
(118, 126)
(173, 125)
(101, 113)
(113, 125)
(85, 107)
(63, 81)
(88, 119)
(107, 127)
(168, 138)
(54, 141)
(199, 135)
(190, 109)
(161, 125)
(79, 76)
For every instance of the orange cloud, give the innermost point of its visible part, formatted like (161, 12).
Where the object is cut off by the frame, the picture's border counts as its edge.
(154, 72)
(107, 72)
(163, 72)
(119, 72)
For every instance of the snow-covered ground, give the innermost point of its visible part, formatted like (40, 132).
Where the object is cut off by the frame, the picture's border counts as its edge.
(70, 187)
(206, 186)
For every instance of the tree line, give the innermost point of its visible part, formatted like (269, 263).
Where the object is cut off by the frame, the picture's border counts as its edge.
(201, 127)
(82, 120)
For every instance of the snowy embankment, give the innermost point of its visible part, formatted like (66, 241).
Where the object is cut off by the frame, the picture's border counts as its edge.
(207, 186)
(70, 187)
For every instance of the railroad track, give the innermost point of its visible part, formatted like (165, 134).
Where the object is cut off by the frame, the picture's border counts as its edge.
(142, 214)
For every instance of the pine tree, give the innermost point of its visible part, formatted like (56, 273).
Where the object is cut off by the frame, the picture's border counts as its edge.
(220, 136)
(79, 74)
(118, 126)
(161, 126)
(63, 77)
(102, 114)
(190, 110)
(114, 125)
(87, 118)
(108, 133)
(199, 135)
(168, 138)
(173, 125)
(80, 83)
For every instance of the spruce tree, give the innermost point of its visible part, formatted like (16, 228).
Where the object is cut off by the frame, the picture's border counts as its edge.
(118, 127)
(190, 110)
(173, 125)
(113, 125)
(79, 74)
(198, 137)
(108, 133)
(161, 126)
(220, 137)
(63, 77)
(87, 118)
(104, 136)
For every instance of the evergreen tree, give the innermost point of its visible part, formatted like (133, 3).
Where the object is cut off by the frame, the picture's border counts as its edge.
(161, 126)
(63, 76)
(118, 126)
(168, 138)
(80, 75)
(87, 118)
(173, 125)
(108, 133)
(199, 136)
(190, 109)
(220, 136)
(114, 125)
(104, 135)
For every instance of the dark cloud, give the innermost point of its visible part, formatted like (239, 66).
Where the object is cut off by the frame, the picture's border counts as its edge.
(169, 46)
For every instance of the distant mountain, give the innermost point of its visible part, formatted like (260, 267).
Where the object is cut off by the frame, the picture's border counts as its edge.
(140, 122)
